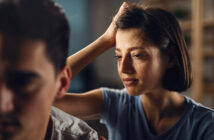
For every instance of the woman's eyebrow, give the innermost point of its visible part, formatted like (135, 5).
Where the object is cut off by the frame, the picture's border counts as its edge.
(136, 48)
(132, 48)
(117, 49)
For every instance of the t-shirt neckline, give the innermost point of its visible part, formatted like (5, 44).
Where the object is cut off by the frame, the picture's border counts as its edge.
(174, 127)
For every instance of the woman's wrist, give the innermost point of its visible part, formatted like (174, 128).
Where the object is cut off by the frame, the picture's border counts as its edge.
(107, 41)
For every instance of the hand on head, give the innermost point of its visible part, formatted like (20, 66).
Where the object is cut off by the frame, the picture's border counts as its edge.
(110, 33)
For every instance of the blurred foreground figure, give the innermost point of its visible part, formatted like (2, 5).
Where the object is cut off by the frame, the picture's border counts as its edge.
(34, 40)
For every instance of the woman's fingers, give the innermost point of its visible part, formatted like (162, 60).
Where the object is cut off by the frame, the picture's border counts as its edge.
(121, 10)
(110, 33)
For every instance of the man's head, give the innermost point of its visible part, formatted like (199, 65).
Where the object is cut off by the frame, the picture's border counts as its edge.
(34, 40)
(37, 19)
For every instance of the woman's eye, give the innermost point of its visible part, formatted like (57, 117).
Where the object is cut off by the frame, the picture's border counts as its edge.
(141, 56)
(137, 55)
(117, 57)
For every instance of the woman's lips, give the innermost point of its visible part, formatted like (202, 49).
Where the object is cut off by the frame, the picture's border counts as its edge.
(129, 81)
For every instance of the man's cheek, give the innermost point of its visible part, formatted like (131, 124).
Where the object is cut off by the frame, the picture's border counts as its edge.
(33, 114)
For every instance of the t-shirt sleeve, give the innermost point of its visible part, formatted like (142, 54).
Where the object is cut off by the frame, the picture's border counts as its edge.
(209, 134)
(111, 104)
(205, 123)
(209, 126)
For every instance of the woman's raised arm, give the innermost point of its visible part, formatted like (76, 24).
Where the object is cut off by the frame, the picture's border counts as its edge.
(88, 105)
(82, 58)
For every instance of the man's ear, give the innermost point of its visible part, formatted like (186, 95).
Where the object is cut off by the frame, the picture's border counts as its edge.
(64, 79)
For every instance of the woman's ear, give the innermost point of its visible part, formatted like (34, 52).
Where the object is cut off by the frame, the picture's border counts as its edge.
(64, 79)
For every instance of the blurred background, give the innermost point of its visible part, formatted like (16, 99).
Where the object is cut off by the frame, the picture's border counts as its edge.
(90, 18)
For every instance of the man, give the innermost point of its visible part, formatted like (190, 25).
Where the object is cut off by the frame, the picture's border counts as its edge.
(34, 40)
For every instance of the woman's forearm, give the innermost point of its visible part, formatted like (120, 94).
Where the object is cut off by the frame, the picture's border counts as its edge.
(87, 106)
(82, 58)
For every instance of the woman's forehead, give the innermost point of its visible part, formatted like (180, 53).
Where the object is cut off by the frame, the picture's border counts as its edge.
(128, 40)
(132, 36)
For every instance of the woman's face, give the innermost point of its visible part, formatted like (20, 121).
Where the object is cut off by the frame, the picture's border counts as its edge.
(140, 64)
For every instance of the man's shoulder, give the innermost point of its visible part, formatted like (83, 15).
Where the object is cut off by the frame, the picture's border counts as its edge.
(66, 126)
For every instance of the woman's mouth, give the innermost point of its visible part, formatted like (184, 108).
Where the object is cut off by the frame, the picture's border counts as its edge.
(129, 81)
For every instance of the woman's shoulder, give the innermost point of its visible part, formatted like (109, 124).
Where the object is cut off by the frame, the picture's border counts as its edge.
(200, 112)
(120, 95)
(200, 120)
(113, 90)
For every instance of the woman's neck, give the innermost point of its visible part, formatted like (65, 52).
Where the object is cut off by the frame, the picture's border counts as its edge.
(162, 108)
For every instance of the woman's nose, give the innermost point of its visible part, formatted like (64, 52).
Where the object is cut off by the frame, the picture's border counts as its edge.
(126, 65)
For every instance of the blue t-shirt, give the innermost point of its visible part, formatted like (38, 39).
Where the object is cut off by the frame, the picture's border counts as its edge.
(125, 119)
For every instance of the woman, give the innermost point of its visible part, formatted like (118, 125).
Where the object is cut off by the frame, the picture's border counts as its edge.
(154, 66)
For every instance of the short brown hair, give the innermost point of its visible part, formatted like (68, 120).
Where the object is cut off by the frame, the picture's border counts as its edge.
(161, 28)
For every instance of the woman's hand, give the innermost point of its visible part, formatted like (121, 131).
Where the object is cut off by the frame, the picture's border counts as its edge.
(79, 60)
(110, 33)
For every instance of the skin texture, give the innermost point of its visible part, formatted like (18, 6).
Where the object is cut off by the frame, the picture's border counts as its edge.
(28, 88)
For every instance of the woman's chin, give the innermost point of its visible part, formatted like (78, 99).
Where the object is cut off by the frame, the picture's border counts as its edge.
(133, 91)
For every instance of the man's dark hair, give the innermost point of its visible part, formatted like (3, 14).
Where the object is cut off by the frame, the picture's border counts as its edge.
(38, 20)
(161, 28)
